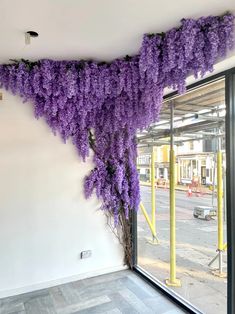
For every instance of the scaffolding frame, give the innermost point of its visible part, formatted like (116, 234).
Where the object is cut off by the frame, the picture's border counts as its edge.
(209, 117)
(186, 305)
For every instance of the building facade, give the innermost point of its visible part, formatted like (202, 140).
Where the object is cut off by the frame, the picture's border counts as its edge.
(194, 161)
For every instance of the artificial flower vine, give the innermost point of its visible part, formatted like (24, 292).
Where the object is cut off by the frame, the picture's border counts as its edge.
(102, 105)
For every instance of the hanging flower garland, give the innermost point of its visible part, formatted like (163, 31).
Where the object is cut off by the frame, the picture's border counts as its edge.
(100, 106)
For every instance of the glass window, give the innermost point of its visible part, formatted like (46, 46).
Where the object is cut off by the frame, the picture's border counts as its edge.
(186, 169)
(200, 270)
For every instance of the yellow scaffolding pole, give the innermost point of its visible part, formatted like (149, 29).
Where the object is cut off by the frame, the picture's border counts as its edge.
(148, 220)
(221, 246)
(153, 198)
(151, 222)
(172, 281)
(220, 201)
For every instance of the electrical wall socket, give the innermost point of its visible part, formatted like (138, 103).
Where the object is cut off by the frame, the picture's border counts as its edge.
(85, 254)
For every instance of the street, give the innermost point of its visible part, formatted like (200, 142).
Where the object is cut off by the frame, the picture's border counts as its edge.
(196, 246)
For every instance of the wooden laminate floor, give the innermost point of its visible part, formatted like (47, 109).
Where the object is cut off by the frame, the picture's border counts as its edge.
(115, 293)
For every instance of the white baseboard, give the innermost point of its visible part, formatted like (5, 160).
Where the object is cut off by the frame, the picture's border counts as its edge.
(59, 281)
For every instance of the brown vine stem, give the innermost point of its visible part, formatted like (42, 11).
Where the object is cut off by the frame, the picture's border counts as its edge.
(123, 234)
(123, 230)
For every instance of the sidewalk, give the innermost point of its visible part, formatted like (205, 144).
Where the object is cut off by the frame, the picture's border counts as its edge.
(178, 187)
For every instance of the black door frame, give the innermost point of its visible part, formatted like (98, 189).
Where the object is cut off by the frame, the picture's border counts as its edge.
(229, 76)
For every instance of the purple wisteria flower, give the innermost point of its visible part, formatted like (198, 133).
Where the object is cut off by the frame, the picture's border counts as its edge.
(102, 105)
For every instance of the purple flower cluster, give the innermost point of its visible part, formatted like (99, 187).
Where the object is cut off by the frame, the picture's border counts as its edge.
(193, 48)
(102, 105)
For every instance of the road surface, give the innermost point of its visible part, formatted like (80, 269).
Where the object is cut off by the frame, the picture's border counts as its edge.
(196, 246)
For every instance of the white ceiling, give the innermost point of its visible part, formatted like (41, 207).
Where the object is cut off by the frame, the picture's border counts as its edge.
(98, 29)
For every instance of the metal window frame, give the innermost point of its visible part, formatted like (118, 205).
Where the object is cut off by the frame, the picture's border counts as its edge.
(185, 305)
(230, 184)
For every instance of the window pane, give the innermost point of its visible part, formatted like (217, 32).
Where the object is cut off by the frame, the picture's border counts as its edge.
(200, 169)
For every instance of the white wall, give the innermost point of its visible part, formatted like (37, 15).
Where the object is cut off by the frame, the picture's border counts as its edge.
(45, 222)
